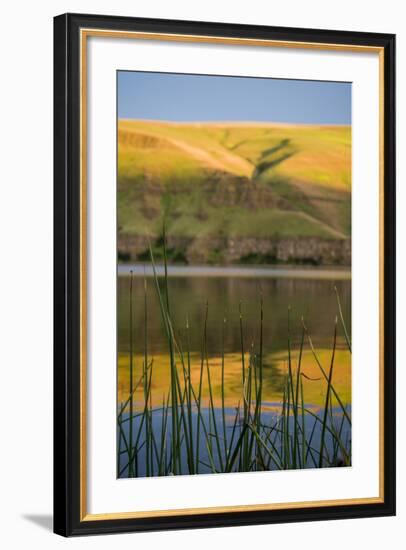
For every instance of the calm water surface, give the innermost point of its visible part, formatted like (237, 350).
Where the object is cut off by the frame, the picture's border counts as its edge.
(308, 293)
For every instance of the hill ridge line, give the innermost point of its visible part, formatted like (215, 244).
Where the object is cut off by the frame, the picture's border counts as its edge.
(234, 123)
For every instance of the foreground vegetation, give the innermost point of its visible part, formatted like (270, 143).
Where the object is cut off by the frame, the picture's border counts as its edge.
(196, 428)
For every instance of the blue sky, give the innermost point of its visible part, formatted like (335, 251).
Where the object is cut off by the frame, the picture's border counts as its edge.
(177, 97)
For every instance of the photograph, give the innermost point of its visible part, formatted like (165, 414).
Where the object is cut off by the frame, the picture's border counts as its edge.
(200, 299)
(224, 321)
(233, 274)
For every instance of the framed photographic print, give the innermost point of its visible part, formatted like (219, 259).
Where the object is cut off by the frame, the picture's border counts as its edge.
(224, 274)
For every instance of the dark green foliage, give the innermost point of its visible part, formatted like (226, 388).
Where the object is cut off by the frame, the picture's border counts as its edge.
(258, 259)
(173, 255)
(123, 256)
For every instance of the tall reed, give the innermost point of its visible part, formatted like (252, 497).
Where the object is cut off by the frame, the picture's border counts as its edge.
(184, 435)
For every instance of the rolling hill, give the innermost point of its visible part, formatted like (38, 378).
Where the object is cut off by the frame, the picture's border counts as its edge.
(235, 192)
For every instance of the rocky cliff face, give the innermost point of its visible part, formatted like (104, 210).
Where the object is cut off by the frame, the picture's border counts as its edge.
(225, 251)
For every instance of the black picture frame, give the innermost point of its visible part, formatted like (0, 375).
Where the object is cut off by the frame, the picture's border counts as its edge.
(67, 358)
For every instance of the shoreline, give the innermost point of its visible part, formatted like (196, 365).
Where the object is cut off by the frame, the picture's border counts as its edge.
(269, 272)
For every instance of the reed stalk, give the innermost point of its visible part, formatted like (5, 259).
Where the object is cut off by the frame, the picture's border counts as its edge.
(187, 431)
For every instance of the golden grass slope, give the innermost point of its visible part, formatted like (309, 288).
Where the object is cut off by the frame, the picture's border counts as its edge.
(307, 168)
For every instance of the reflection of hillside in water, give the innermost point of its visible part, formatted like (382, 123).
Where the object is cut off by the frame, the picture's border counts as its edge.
(315, 300)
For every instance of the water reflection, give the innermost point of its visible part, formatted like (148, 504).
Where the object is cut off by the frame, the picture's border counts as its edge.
(314, 300)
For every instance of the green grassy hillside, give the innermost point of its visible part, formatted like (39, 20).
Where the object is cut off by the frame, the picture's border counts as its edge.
(234, 180)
